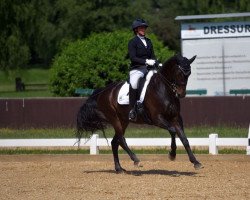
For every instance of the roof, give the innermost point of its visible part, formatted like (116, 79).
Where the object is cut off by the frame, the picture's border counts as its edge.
(212, 16)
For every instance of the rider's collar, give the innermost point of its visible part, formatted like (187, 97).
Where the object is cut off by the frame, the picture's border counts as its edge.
(141, 37)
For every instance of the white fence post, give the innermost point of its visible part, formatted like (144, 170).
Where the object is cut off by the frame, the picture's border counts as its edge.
(94, 149)
(212, 144)
(248, 141)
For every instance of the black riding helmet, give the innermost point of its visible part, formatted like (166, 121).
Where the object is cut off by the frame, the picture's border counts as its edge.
(139, 22)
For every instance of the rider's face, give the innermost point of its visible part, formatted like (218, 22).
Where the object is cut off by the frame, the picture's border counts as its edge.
(141, 30)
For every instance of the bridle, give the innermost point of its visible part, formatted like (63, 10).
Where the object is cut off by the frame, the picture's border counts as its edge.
(172, 84)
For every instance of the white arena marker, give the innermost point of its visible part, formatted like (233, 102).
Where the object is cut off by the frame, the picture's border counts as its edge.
(248, 141)
(94, 149)
(213, 149)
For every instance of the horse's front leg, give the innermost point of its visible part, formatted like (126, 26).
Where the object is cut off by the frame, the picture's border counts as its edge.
(184, 140)
(172, 153)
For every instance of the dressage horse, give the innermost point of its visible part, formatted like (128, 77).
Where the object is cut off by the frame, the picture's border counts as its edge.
(161, 106)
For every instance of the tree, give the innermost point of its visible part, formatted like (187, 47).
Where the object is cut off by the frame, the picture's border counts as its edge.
(95, 62)
(14, 51)
(33, 32)
(161, 14)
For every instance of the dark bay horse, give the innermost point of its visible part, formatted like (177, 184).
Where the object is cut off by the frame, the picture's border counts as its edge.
(161, 104)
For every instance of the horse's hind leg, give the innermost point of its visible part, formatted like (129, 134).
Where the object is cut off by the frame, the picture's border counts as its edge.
(119, 139)
(115, 146)
(119, 127)
(123, 143)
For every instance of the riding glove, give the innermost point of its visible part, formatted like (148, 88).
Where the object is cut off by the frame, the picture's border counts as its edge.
(150, 62)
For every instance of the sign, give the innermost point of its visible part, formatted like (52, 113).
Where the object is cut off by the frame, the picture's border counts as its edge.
(215, 30)
(222, 64)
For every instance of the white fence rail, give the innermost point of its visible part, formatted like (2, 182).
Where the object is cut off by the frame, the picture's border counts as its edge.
(213, 142)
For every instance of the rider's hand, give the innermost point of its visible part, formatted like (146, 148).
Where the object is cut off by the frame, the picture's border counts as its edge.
(150, 62)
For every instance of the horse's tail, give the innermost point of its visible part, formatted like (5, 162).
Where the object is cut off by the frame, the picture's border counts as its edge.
(90, 119)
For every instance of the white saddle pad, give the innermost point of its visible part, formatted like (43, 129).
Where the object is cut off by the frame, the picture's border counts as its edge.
(123, 95)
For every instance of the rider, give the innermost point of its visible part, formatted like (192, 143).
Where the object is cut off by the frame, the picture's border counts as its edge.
(141, 54)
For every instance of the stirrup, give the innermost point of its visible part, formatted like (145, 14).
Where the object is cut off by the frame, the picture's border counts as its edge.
(139, 107)
(132, 116)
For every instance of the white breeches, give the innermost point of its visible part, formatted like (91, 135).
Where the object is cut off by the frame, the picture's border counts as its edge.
(135, 75)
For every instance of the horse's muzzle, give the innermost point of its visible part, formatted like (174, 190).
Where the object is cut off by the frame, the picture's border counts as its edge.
(181, 92)
(182, 95)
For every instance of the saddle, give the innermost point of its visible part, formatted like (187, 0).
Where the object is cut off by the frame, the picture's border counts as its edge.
(123, 95)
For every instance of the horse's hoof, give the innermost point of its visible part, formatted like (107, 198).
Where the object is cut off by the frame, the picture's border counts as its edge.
(171, 157)
(137, 164)
(120, 171)
(198, 166)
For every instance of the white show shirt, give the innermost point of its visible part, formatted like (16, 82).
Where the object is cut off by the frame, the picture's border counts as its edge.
(143, 40)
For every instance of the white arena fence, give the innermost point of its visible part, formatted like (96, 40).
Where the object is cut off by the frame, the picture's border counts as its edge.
(213, 142)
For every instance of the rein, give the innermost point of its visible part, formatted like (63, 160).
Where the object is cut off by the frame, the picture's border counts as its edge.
(170, 84)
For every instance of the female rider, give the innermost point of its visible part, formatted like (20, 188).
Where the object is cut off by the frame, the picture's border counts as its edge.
(141, 54)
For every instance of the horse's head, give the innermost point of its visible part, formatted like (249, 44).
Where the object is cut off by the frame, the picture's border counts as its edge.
(177, 70)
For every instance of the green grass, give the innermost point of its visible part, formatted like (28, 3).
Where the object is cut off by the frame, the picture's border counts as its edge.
(29, 76)
(132, 132)
(222, 131)
(36, 133)
(15, 151)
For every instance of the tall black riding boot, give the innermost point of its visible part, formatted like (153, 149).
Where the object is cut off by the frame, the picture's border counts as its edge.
(132, 103)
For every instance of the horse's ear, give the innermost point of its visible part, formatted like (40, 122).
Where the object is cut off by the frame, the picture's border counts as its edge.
(192, 59)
